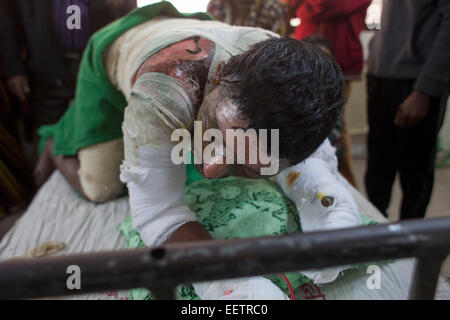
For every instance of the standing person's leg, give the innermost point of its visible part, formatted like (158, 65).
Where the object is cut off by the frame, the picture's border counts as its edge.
(345, 161)
(418, 145)
(381, 162)
(49, 100)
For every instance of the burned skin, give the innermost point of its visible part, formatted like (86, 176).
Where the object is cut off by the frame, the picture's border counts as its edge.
(188, 61)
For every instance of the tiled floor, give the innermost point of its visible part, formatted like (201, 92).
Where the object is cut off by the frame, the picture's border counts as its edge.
(440, 200)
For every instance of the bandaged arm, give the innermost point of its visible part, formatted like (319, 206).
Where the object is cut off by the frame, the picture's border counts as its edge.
(323, 199)
(322, 196)
(158, 105)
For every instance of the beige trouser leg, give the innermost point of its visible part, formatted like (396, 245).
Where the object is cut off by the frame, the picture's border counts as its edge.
(100, 170)
(345, 162)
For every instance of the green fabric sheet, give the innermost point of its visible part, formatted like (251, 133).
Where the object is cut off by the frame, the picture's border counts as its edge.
(96, 114)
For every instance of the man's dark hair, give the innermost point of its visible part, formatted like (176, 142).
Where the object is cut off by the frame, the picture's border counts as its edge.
(285, 84)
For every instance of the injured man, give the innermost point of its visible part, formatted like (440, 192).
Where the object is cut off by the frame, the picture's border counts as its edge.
(155, 77)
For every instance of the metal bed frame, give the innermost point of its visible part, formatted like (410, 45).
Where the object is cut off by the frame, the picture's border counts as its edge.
(162, 269)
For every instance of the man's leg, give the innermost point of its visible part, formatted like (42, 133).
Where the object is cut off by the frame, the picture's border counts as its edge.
(381, 163)
(418, 146)
(99, 170)
(345, 161)
(48, 162)
(94, 173)
(49, 101)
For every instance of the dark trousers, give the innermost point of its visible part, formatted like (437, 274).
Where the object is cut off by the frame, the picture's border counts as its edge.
(410, 151)
(51, 96)
(49, 99)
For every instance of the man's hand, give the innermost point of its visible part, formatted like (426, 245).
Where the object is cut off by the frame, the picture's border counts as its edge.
(191, 231)
(18, 86)
(413, 110)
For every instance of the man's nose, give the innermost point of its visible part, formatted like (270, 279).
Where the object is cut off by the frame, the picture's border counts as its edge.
(215, 169)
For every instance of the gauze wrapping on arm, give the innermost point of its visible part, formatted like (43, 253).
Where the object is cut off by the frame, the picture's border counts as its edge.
(322, 198)
(158, 105)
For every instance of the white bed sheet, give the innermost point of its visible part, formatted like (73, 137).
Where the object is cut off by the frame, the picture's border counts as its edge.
(58, 214)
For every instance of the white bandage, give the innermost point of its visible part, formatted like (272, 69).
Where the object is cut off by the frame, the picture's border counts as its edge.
(255, 288)
(156, 201)
(322, 198)
(156, 185)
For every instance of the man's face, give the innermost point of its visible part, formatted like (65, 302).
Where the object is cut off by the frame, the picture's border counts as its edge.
(219, 111)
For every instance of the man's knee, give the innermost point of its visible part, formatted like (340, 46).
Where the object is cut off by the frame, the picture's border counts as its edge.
(100, 170)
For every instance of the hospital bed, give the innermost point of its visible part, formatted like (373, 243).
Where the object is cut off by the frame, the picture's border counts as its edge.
(58, 215)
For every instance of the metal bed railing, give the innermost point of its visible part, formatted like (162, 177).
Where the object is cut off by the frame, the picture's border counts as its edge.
(162, 269)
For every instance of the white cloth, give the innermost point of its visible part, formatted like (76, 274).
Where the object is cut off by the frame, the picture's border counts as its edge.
(58, 214)
(254, 288)
(316, 178)
(322, 198)
(394, 284)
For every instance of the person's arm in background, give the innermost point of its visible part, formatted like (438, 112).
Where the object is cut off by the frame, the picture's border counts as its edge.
(433, 77)
(11, 64)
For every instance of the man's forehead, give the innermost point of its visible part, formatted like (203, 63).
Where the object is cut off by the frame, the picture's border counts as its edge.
(228, 115)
